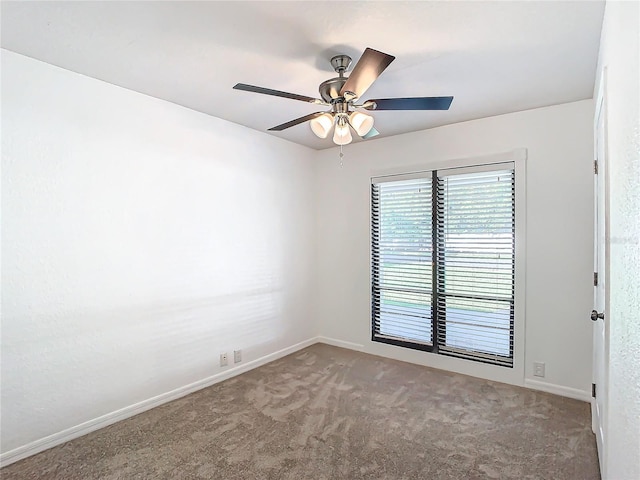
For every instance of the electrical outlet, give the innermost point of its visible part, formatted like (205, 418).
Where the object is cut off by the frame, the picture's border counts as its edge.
(224, 360)
(538, 369)
(237, 356)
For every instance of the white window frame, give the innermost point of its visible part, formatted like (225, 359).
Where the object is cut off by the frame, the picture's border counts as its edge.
(514, 375)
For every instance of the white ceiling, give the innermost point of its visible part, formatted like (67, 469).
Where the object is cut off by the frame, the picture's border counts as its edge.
(493, 57)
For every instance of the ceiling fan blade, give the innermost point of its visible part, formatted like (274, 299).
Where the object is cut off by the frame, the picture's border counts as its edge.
(278, 93)
(415, 103)
(297, 121)
(371, 133)
(371, 64)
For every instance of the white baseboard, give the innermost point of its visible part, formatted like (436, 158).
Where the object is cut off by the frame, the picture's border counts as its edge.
(340, 343)
(89, 426)
(574, 393)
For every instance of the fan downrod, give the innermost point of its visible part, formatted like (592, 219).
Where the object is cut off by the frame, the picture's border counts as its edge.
(330, 89)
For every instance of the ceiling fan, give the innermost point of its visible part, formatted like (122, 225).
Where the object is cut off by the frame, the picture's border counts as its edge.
(341, 94)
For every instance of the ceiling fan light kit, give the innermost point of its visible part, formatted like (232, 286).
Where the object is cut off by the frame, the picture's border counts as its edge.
(341, 94)
(321, 126)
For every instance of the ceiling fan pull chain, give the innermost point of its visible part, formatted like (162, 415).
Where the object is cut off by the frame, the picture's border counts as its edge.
(341, 157)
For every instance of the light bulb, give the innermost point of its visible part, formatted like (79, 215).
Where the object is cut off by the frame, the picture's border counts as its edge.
(342, 135)
(361, 123)
(321, 125)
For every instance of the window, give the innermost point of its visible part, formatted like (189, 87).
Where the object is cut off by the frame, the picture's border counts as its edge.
(443, 262)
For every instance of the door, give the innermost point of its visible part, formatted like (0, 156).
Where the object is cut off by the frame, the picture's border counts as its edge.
(600, 292)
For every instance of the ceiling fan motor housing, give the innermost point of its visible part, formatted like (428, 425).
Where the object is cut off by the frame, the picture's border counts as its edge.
(330, 89)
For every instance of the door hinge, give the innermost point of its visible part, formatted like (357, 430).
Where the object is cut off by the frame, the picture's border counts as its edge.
(593, 390)
(595, 167)
(595, 279)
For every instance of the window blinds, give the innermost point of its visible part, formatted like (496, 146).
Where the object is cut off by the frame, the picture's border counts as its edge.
(443, 262)
(402, 261)
(475, 262)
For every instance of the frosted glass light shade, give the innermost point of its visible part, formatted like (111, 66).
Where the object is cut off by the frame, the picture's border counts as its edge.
(321, 125)
(361, 123)
(342, 135)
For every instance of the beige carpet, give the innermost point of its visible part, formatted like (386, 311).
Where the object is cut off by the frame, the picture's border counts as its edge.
(329, 413)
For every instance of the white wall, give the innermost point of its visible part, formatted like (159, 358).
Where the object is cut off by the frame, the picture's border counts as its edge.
(619, 54)
(559, 255)
(139, 240)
